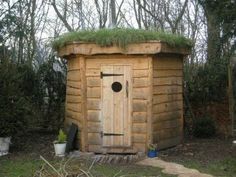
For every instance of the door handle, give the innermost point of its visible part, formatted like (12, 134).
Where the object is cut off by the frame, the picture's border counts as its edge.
(127, 89)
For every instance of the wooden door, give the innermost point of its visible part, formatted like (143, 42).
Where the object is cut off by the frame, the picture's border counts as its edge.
(116, 91)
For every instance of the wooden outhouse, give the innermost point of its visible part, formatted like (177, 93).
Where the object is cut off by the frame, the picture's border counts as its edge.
(124, 99)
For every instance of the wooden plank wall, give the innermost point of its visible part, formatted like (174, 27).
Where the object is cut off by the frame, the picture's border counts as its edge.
(73, 94)
(140, 98)
(167, 118)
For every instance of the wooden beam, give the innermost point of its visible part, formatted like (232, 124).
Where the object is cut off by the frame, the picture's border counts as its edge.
(151, 47)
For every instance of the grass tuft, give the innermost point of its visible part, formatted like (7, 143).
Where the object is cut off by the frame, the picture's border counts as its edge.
(120, 37)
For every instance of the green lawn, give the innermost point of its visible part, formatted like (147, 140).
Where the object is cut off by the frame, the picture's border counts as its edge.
(18, 167)
(26, 167)
(221, 168)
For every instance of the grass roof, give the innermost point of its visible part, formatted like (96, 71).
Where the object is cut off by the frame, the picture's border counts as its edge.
(120, 37)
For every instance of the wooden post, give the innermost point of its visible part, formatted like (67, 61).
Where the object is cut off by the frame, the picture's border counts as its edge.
(149, 111)
(84, 132)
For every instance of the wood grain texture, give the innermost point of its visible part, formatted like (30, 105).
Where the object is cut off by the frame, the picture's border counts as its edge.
(84, 134)
(95, 62)
(168, 73)
(167, 89)
(139, 117)
(150, 47)
(73, 63)
(74, 75)
(167, 109)
(167, 98)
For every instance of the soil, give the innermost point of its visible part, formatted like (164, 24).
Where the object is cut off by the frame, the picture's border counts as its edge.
(34, 144)
(200, 150)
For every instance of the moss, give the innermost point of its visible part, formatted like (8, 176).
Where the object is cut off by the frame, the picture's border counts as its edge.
(121, 37)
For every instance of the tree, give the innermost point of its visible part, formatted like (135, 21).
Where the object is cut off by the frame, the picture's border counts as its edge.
(221, 23)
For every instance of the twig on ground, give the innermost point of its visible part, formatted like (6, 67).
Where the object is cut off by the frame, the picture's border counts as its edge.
(54, 169)
(117, 173)
(84, 172)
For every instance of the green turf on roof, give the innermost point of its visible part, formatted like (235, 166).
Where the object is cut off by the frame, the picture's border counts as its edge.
(120, 37)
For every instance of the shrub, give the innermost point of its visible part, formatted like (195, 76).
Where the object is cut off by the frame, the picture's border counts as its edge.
(15, 107)
(204, 127)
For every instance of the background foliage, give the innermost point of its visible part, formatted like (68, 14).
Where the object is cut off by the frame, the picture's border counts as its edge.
(32, 89)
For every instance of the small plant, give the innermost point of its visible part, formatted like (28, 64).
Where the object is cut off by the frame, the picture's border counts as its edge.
(152, 147)
(61, 138)
(204, 127)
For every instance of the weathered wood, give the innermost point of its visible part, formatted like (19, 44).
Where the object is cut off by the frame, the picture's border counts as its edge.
(95, 148)
(139, 138)
(73, 99)
(169, 142)
(169, 89)
(69, 121)
(168, 81)
(93, 81)
(94, 139)
(139, 128)
(140, 147)
(73, 64)
(139, 117)
(141, 93)
(159, 99)
(168, 73)
(73, 91)
(94, 92)
(75, 107)
(115, 106)
(73, 75)
(73, 84)
(136, 62)
(94, 115)
(93, 72)
(168, 107)
(168, 133)
(167, 124)
(166, 116)
(73, 115)
(166, 63)
(149, 104)
(93, 104)
(94, 127)
(151, 47)
(141, 82)
(84, 134)
(139, 105)
(140, 73)
(154, 98)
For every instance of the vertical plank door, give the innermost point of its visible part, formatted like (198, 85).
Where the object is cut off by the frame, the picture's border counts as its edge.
(116, 86)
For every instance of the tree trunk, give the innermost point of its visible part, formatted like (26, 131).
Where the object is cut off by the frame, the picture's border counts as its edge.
(112, 13)
(213, 39)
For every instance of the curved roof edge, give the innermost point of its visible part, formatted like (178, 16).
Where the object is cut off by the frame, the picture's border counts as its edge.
(150, 47)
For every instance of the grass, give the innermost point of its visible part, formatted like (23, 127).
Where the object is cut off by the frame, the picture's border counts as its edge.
(23, 167)
(221, 168)
(120, 37)
(26, 167)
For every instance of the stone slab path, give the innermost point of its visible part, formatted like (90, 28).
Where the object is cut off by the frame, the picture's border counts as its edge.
(172, 168)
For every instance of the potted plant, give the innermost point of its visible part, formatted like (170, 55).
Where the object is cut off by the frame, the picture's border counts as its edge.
(152, 150)
(60, 144)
